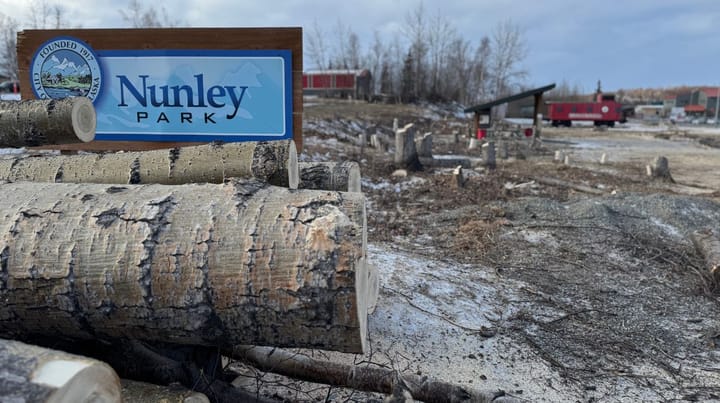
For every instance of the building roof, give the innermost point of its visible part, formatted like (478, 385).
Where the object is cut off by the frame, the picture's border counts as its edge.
(500, 101)
(357, 72)
(711, 92)
(694, 108)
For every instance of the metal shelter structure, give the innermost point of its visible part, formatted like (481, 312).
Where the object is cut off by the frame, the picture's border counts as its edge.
(482, 112)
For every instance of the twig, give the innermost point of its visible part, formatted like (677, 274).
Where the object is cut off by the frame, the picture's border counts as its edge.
(578, 313)
(484, 332)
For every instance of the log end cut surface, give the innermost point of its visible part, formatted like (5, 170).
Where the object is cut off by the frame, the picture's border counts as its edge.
(292, 167)
(35, 374)
(84, 119)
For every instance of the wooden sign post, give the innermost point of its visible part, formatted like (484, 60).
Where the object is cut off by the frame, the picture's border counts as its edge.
(166, 87)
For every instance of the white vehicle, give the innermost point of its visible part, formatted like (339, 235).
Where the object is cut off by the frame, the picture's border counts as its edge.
(10, 91)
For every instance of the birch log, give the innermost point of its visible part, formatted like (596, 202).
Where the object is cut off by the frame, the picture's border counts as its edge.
(274, 162)
(35, 374)
(343, 176)
(235, 263)
(47, 121)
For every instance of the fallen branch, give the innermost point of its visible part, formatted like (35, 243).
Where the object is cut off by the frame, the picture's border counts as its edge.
(367, 379)
(570, 185)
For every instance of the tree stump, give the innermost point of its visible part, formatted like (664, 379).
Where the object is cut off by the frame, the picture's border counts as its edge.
(46, 121)
(488, 154)
(473, 143)
(36, 374)
(274, 162)
(343, 176)
(376, 143)
(426, 144)
(459, 178)
(659, 169)
(405, 152)
(504, 153)
(202, 264)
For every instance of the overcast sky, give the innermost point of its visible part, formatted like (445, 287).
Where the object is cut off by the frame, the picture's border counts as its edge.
(626, 44)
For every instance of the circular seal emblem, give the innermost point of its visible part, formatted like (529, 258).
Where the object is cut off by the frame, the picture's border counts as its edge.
(604, 109)
(65, 67)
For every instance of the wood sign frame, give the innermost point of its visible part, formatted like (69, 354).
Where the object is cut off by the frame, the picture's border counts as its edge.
(170, 40)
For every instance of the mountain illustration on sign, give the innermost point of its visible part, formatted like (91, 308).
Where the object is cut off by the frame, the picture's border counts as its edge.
(65, 74)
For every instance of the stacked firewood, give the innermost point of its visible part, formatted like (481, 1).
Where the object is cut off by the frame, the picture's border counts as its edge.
(159, 262)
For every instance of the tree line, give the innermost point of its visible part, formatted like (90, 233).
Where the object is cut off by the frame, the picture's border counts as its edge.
(428, 60)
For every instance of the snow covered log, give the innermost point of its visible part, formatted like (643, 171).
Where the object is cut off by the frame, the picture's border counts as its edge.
(275, 162)
(343, 176)
(46, 121)
(35, 374)
(235, 263)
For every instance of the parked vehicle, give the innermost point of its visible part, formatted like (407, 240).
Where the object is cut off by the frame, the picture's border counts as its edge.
(10, 91)
(338, 83)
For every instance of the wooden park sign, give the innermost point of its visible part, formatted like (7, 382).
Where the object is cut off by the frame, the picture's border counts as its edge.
(158, 88)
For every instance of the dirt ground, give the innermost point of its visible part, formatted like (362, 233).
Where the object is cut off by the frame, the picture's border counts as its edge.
(539, 292)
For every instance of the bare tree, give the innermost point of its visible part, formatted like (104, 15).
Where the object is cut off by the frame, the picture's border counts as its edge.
(139, 17)
(8, 52)
(44, 15)
(459, 71)
(508, 52)
(316, 47)
(480, 76)
(440, 34)
(353, 51)
(376, 62)
(41, 15)
(341, 33)
(415, 32)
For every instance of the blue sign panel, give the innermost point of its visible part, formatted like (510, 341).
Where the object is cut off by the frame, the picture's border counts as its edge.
(173, 95)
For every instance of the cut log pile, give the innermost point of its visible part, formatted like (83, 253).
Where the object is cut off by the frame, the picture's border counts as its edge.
(160, 262)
